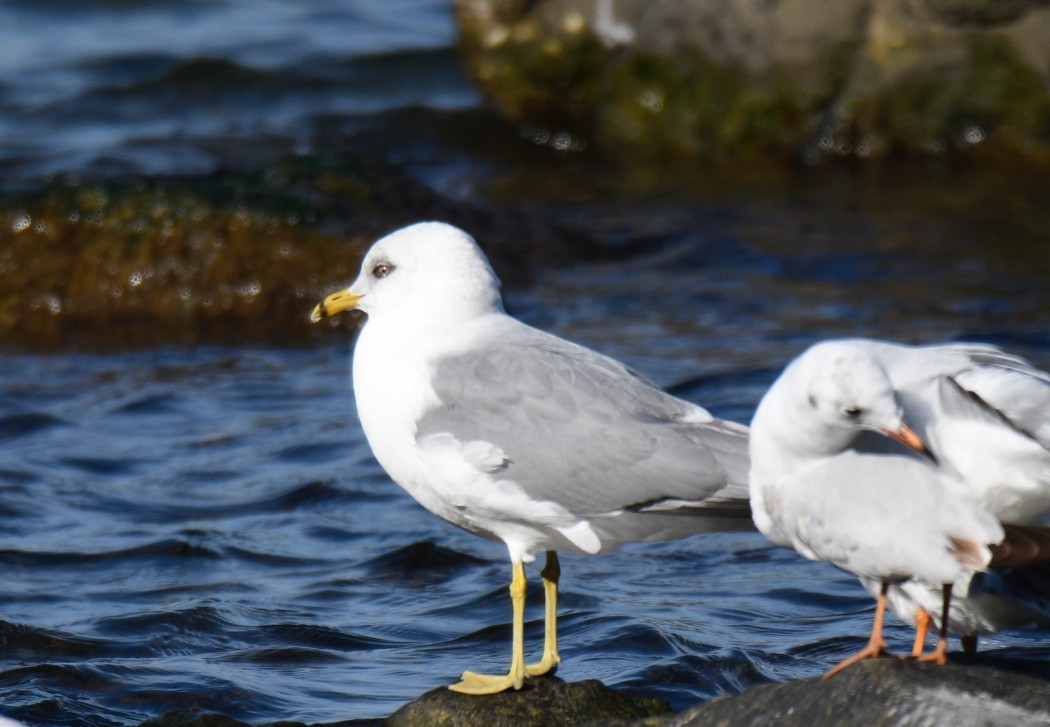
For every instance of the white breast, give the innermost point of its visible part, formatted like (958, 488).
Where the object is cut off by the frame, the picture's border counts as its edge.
(391, 385)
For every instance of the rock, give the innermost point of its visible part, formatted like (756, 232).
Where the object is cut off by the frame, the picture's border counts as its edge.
(236, 257)
(885, 692)
(795, 78)
(978, 12)
(971, 691)
(547, 702)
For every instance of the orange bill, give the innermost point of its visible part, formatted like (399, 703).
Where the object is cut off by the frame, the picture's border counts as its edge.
(909, 438)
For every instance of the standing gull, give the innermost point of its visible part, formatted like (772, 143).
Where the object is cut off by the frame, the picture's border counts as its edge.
(985, 414)
(888, 517)
(518, 435)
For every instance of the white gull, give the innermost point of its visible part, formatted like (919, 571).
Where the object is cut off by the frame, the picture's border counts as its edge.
(888, 516)
(520, 436)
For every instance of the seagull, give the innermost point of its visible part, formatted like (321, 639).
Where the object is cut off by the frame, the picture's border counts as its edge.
(888, 516)
(519, 436)
(985, 415)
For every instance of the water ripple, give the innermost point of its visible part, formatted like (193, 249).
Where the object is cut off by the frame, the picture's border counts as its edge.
(21, 425)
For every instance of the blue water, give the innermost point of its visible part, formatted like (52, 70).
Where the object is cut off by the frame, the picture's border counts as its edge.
(116, 88)
(205, 527)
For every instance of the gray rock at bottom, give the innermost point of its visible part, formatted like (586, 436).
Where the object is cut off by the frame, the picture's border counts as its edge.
(548, 702)
(974, 691)
(885, 692)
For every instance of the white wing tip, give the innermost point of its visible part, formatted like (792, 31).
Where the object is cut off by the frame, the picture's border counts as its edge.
(583, 537)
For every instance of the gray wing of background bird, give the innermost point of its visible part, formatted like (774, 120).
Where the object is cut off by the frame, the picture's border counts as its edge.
(1020, 395)
(958, 402)
(582, 430)
(1006, 382)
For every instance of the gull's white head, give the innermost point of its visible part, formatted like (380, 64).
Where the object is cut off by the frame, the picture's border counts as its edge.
(429, 273)
(828, 395)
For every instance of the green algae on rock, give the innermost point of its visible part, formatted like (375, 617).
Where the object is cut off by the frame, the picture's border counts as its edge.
(806, 79)
(552, 66)
(153, 262)
(228, 258)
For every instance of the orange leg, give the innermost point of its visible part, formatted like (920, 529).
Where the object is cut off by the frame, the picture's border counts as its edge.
(922, 627)
(876, 645)
(940, 654)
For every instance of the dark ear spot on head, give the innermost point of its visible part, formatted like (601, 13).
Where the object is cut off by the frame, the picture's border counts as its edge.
(813, 401)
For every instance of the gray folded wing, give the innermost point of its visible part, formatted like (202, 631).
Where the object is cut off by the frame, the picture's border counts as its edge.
(582, 430)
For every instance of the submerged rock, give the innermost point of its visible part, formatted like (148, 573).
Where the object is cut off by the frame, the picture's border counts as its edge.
(548, 702)
(229, 258)
(799, 78)
(887, 692)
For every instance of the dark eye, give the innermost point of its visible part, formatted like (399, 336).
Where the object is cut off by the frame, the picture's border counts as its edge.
(381, 270)
(850, 412)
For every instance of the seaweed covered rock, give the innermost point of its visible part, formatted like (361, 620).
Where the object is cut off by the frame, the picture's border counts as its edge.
(798, 78)
(228, 258)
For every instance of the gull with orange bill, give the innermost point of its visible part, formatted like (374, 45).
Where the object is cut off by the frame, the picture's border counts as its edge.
(823, 483)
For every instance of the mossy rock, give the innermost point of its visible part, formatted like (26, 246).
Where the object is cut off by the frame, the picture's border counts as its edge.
(230, 258)
(145, 261)
(799, 79)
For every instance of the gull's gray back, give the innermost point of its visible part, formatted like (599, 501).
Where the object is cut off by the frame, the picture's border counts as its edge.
(582, 430)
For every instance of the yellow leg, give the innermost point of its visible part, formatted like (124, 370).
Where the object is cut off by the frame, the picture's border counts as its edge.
(549, 663)
(472, 683)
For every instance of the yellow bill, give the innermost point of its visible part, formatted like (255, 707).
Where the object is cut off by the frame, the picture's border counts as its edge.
(335, 303)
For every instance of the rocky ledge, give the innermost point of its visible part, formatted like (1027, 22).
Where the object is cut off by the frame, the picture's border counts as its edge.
(974, 691)
(546, 702)
(889, 691)
(794, 78)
